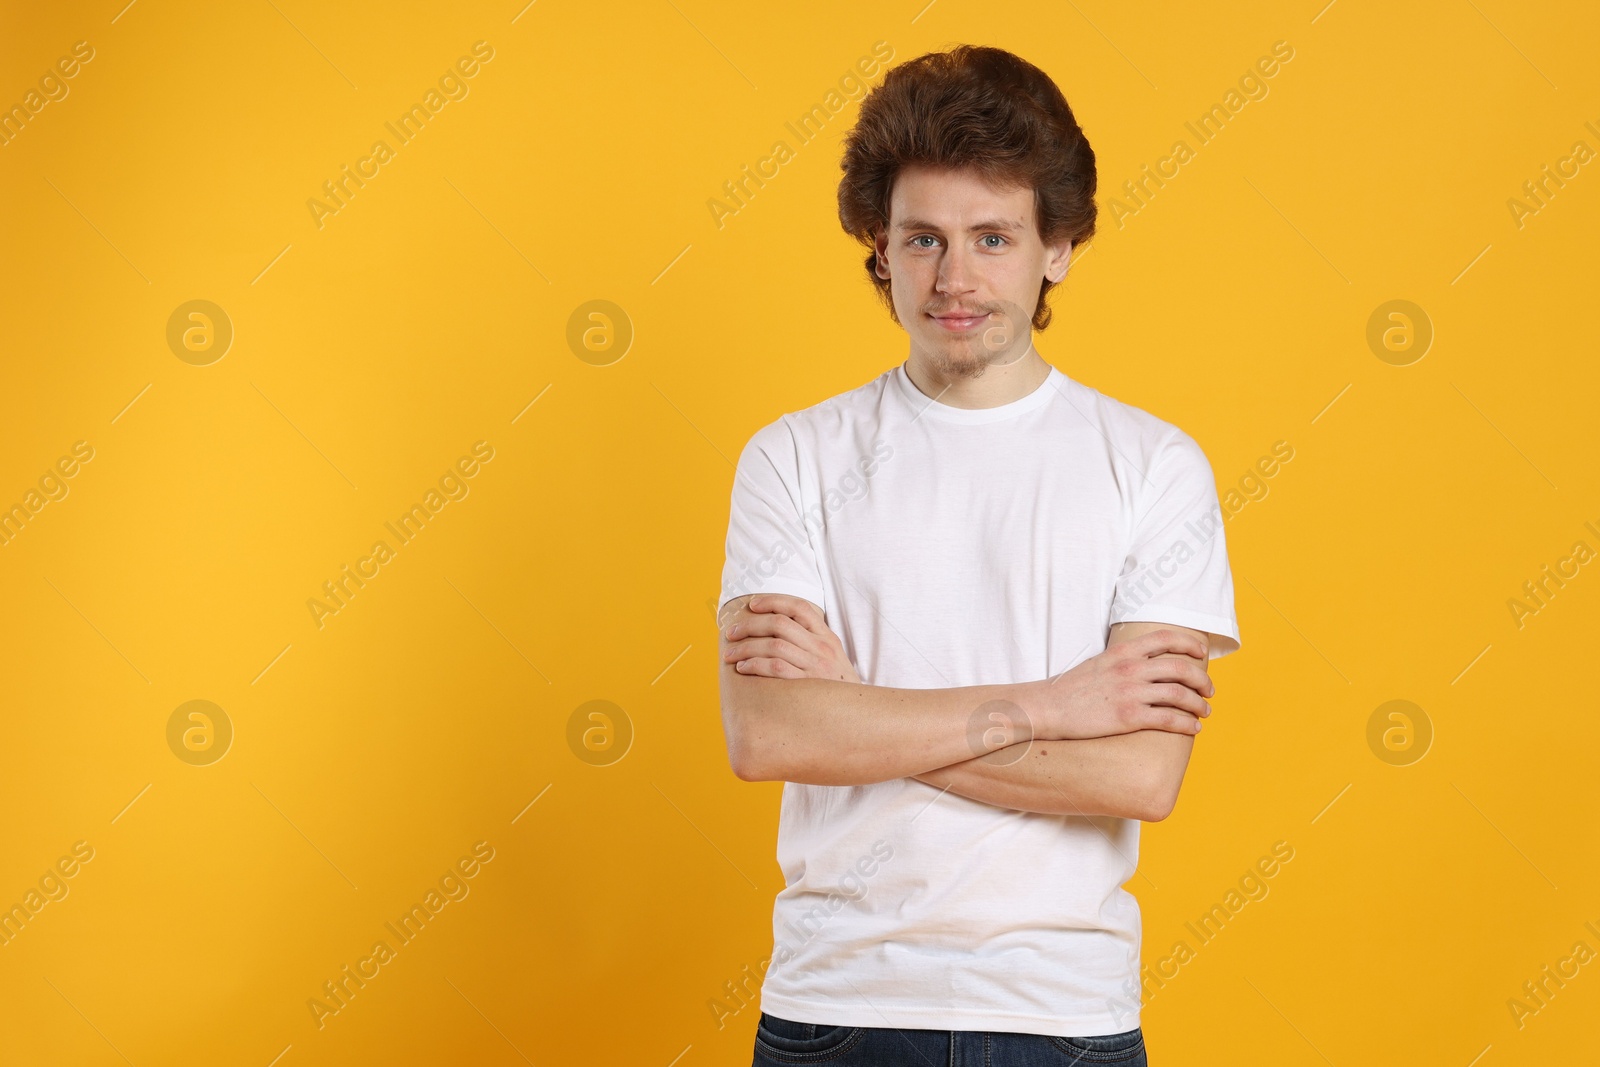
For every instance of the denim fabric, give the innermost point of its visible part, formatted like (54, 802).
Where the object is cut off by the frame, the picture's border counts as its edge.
(782, 1041)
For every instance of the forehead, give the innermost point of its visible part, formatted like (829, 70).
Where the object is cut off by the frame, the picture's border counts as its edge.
(955, 199)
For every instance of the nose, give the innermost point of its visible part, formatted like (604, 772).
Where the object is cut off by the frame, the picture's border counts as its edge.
(954, 272)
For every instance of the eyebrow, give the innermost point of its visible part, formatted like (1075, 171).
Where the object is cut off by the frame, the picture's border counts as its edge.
(988, 224)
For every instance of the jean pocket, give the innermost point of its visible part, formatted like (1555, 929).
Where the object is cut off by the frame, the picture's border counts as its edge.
(1112, 1048)
(786, 1041)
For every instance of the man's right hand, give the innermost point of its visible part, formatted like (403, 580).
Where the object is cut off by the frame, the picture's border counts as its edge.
(1133, 685)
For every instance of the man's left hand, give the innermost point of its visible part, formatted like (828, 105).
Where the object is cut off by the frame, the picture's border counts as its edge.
(786, 637)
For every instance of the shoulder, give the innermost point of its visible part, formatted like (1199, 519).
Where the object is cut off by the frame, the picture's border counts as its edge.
(1134, 434)
(1158, 465)
(824, 421)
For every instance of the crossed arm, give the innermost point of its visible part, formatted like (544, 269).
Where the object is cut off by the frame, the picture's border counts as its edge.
(1132, 774)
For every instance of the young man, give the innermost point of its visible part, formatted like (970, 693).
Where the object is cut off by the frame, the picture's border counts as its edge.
(966, 615)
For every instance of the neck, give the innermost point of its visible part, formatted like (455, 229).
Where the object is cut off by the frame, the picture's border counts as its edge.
(977, 385)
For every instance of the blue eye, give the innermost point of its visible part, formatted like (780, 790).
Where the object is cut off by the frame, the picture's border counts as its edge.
(919, 237)
(996, 237)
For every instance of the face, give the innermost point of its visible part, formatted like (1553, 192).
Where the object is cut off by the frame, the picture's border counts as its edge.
(965, 263)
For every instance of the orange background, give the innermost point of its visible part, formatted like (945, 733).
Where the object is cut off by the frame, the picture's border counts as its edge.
(432, 711)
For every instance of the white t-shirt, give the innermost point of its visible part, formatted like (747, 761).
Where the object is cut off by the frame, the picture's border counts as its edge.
(953, 547)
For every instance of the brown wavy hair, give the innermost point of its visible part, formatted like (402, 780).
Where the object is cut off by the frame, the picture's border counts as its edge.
(971, 107)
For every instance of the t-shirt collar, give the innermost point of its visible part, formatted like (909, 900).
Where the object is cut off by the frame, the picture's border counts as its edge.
(927, 407)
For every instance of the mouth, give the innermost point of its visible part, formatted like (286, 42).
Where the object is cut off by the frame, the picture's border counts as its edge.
(961, 323)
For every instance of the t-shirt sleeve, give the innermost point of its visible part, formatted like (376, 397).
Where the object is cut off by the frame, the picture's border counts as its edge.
(770, 547)
(1177, 567)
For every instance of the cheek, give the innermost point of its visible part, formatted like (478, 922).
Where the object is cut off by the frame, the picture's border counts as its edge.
(912, 278)
(905, 287)
(1012, 277)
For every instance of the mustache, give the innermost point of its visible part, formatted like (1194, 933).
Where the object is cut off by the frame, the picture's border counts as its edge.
(944, 308)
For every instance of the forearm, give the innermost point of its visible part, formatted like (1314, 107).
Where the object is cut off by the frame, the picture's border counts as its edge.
(823, 732)
(1124, 775)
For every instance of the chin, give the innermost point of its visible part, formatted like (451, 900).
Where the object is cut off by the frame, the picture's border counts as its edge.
(962, 363)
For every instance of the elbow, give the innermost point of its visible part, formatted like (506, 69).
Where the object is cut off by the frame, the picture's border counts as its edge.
(750, 766)
(1156, 812)
(744, 755)
(759, 749)
(1159, 799)
(740, 758)
(1162, 771)
(743, 762)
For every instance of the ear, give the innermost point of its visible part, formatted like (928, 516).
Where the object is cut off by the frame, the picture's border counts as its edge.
(880, 244)
(1060, 257)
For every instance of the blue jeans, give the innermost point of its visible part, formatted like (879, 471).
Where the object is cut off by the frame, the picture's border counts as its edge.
(782, 1041)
